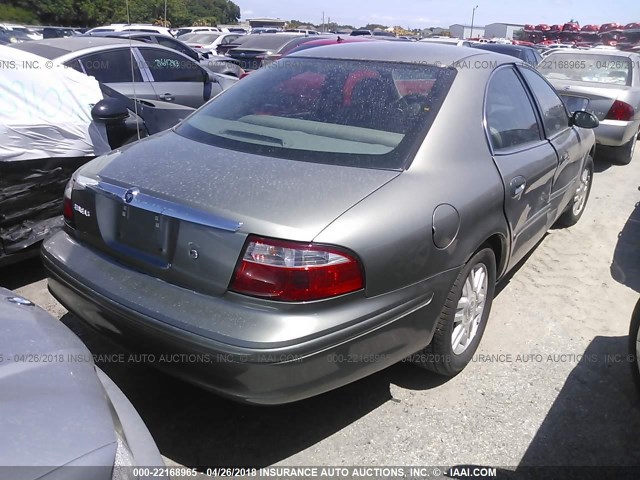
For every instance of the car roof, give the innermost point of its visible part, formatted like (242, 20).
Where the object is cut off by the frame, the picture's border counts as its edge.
(403, 52)
(57, 47)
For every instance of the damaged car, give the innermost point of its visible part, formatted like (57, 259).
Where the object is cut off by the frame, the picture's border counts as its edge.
(52, 121)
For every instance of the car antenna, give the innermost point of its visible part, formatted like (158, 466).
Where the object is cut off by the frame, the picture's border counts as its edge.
(133, 76)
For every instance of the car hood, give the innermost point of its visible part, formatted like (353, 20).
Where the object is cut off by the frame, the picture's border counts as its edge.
(270, 196)
(54, 409)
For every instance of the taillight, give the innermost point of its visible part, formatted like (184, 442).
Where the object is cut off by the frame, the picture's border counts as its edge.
(295, 272)
(67, 204)
(620, 111)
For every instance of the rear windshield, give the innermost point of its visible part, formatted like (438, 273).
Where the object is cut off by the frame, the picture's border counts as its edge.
(40, 49)
(609, 69)
(366, 114)
(204, 37)
(271, 41)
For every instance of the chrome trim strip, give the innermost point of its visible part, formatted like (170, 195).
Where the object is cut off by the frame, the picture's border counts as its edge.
(166, 207)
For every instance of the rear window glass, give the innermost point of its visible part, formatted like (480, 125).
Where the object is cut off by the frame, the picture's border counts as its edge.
(368, 114)
(40, 49)
(204, 37)
(267, 41)
(609, 69)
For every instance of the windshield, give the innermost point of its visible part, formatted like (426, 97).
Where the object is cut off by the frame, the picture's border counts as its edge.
(367, 114)
(609, 69)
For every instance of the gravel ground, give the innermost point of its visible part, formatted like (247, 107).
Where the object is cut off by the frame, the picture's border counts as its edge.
(549, 385)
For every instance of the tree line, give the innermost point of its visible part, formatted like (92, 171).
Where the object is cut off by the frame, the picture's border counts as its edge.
(90, 13)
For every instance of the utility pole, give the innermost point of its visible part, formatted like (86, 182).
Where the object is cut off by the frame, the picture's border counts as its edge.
(473, 15)
(322, 22)
(165, 13)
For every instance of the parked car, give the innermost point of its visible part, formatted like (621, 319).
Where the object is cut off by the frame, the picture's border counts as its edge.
(261, 30)
(13, 36)
(30, 32)
(212, 63)
(551, 48)
(337, 40)
(448, 41)
(257, 50)
(137, 27)
(61, 415)
(159, 73)
(361, 32)
(58, 32)
(47, 132)
(209, 42)
(186, 30)
(223, 49)
(323, 220)
(526, 54)
(302, 30)
(606, 83)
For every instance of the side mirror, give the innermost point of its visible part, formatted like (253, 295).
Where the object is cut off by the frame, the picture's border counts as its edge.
(584, 119)
(109, 110)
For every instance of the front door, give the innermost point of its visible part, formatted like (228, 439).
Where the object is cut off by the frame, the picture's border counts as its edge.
(526, 161)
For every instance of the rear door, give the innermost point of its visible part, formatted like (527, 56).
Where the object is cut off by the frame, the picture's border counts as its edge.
(526, 161)
(176, 78)
(116, 69)
(567, 141)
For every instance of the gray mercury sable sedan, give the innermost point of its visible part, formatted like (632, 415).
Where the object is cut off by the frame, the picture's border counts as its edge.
(344, 209)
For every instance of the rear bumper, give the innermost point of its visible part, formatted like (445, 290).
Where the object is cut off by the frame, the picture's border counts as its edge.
(382, 330)
(615, 133)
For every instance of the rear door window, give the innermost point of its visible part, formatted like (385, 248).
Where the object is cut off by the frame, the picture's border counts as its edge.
(511, 118)
(167, 66)
(114, 66)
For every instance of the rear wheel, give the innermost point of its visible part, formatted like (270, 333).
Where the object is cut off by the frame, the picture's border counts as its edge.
(576, 206)
(463, 318)
(623, 155)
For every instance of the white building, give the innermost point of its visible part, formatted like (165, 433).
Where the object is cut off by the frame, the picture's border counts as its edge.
(501, 30)
(466, 31)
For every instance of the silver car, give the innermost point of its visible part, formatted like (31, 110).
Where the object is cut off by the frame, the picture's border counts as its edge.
(606, 83)
(146, 71)
(324, 218)
(62, 417)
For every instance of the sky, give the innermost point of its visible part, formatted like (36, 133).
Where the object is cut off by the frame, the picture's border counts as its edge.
(442, 13)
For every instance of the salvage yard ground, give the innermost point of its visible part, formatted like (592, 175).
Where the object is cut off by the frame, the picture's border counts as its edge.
(549, 385)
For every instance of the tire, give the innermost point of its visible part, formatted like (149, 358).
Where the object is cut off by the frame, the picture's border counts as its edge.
(440, 356)
(578, 203)
(623, 155)
(634, 329)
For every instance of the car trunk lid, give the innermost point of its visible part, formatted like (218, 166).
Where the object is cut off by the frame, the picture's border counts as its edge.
(600, 98)
(181, 210)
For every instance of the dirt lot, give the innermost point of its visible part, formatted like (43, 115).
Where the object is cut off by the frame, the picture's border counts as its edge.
(550, 384)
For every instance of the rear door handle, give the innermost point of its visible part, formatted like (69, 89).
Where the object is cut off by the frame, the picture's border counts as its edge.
(517, 186)
(565, 157)
(167, 97)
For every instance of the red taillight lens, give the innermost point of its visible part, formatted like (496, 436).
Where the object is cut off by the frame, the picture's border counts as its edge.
(620, 111)
(295, 272)
(67, 204)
